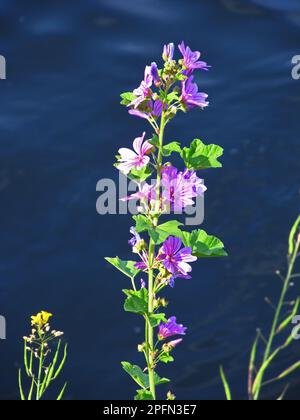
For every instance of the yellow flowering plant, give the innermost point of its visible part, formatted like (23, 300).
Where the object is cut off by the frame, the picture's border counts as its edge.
(41, 358)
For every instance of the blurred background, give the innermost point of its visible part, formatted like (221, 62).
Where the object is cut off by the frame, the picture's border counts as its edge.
(60, 127)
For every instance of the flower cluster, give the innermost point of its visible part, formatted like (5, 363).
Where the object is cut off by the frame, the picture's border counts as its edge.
(147, 103)
(41, 334)
(169, 251)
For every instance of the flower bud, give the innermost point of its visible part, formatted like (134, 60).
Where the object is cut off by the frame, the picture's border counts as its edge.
(170, 396)
(141, 348)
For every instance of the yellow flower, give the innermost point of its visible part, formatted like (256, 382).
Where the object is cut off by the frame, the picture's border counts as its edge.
(40, 319)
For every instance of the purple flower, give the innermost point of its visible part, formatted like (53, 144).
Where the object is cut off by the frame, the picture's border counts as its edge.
(147, 192)
(154, 109)
(191, 60)
(154, 74)
(198, 186)
(135, 159)
(174, 259)
(143, 284)
(175, 343)
(144, 90)
(180, 188)
(170, 329)
(168, 52)
(157, 108)
(144, 264)
(178, 276)
(191, 97)
(135, 240)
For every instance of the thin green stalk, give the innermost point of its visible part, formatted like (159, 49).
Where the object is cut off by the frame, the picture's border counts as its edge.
(40, 372)
(150, 328)
(278, 313)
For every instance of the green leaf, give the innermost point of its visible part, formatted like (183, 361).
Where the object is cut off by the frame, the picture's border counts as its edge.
(166, 358)
(225, 384)
(144, 395)
(62, 392)
(141, 378)
(286, 323)
(162, 232)
(127, 98)
(203, 245)
(126, 267)
(142, 223)
(170, 148)
(201, 156)
(289, 371)
(154, 141)
(140, 175)
(156, 319)
(137, 301)
(292, 236)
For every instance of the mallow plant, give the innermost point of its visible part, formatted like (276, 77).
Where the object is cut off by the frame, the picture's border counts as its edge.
(164, 250)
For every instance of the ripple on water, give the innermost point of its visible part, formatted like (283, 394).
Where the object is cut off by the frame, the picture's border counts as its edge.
(284, 5)
(47, 24)
(150, 9)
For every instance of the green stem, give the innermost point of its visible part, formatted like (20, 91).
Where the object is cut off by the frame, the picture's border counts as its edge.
(40, 372)
(278, 312)
(151, 293)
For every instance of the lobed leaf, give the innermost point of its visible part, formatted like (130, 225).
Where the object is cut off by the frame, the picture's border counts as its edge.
(127, 98)
(162, 232)
(166, 358)
(156, 319)
(141, 378)
(203, 245)
(170, 148)
(200, 156)
(137, 301)
(126, 267)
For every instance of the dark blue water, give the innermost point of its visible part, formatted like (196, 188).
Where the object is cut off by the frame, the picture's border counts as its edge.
(60, 126)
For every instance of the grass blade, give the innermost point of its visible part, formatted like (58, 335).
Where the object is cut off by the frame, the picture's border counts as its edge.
(225, 384)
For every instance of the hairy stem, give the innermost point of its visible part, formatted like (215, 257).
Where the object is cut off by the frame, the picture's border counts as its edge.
(150, 348)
